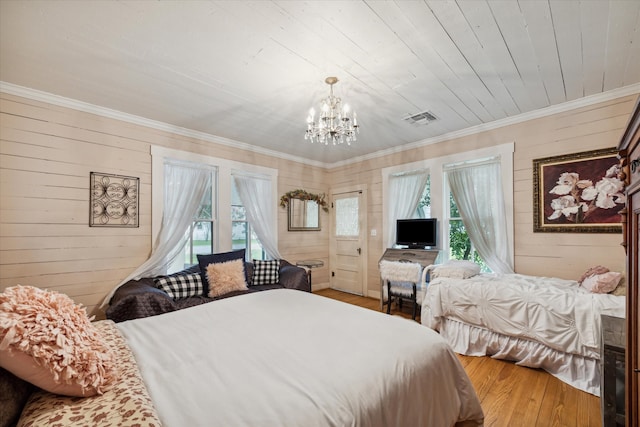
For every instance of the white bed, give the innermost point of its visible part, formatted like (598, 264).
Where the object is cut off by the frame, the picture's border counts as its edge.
(290, 358)
(540, 322)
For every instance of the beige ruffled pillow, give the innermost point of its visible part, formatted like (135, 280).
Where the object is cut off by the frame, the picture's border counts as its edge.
(49, 341)
(225, 277)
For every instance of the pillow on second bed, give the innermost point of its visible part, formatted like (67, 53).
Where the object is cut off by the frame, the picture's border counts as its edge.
(456, 269)
(602, 283)
(599, 280)
(598, 269)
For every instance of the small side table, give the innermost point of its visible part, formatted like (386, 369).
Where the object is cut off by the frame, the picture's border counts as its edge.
(309, 264)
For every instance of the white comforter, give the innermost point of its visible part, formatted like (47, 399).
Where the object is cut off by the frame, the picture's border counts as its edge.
(289, 358)
(557, 313)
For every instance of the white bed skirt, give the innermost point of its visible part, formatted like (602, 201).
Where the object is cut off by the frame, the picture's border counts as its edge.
(579, 371)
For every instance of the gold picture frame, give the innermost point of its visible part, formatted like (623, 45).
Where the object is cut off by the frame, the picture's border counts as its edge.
(578, 193)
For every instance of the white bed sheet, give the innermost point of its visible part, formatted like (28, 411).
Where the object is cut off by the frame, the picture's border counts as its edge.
(290, 358)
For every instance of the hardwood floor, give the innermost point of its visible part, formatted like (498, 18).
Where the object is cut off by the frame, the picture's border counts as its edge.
(512, 395)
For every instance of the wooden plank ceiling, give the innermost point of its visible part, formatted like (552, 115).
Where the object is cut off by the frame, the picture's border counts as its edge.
(249, 71)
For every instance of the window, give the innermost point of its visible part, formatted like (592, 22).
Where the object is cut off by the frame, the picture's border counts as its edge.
(200, 238)
(242, 234)
(347, 216)
(211, 232)
(458, 242)
(201, 233)
(424, 205)
(436, 201)
(478, 190)
(407, 198)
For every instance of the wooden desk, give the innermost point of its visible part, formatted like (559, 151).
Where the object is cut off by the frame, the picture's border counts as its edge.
(424, 257)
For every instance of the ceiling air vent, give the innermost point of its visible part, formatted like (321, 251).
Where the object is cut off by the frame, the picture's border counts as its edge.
(421, 118)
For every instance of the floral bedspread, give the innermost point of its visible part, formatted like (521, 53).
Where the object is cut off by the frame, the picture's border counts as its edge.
(125, 404)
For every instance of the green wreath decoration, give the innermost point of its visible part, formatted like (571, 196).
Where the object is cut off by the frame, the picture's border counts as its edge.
(303, 195)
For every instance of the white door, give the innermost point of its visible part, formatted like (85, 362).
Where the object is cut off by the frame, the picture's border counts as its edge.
(347, 249)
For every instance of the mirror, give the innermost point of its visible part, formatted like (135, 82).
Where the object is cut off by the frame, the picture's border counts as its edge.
(304, 215)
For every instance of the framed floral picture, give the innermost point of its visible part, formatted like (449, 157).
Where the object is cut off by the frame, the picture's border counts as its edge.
(579, 192)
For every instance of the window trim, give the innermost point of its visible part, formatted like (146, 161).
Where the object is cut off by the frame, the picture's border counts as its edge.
(438, 200)
(225, 169)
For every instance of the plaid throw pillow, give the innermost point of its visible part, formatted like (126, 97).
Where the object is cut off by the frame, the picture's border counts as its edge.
(181, 285)
(265, 272)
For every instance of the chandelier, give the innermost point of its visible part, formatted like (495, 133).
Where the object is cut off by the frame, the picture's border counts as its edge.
(336, 124)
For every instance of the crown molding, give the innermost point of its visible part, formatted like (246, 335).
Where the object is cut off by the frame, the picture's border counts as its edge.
(86, 107)
(38, 95)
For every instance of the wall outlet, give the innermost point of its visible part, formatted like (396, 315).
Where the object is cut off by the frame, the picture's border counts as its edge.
(374, 232)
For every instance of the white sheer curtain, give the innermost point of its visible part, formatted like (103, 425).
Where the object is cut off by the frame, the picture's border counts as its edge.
(185, 186)
(257, 199)
(477, 190)
(405, 192)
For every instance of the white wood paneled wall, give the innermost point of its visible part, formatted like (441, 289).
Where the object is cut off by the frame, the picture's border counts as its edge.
(48, 151)
(565, 255)
(46, 155)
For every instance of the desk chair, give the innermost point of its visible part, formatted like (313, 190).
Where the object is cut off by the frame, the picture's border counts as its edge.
(402, 281)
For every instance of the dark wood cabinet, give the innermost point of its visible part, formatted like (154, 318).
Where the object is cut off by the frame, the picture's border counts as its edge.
(612, 370)
(630, 159)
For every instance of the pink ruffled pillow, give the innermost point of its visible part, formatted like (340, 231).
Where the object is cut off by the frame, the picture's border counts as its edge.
(602, 283)
(49, 341)
(598, 269)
